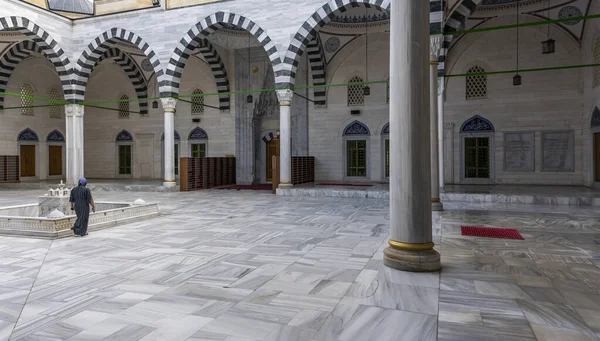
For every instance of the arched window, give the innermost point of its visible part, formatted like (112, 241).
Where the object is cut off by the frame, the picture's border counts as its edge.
(124, 142)
(197, 102)
(596, 61)
(198, 139)
(124, 107)
(356, 94)
(27, 99)
(476, 84)
(385, 135)
(54, 95)
(356, 135)
(477, 134)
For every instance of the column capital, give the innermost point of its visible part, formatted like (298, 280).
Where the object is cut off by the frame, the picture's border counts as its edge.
(169, 104)
(73, 110)
(435, 44)
(285, 97)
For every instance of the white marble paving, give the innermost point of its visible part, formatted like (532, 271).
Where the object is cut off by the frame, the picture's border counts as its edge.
(241, 266)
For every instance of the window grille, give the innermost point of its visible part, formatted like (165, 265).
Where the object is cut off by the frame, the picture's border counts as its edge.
(477, 84)
(54, 111)
(124, 107)
(356, 158)
(125, 159)
(198, 150)
(197, 102)
(176, 154)
(477, 157)
(387, 158)
(356, 94)
(596, 61)
(27, 102)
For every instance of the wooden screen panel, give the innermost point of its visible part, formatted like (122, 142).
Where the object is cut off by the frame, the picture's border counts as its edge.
(54, 160)
(272, 150)
(27, 156)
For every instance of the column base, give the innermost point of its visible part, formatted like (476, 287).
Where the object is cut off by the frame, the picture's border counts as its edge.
(169, 184)
(282, 185)
(413, 261)
(437, 206)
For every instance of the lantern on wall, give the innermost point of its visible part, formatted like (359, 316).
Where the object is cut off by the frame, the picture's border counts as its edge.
(548, 46)
(517, 77)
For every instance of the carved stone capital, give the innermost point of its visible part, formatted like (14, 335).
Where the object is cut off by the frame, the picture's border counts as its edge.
(74, 110)
(435, 45)
(285, 97)
(169, 104)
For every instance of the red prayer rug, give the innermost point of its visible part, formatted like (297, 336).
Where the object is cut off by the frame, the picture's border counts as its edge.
(490, 232)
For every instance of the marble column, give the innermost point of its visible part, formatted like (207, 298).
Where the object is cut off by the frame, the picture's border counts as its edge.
(285, 137)
(169, 105)
(434, 52)
(410, 247)
(74, 143)
(441, 133)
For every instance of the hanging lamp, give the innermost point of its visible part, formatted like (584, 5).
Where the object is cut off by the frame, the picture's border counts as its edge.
(249, 99)
(517, 77)
(155, 102)
(548, 46)
(366, 88)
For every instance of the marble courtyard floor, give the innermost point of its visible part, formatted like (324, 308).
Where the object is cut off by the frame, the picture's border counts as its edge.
(242, 265)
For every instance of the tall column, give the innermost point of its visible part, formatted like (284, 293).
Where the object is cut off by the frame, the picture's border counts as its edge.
(410, 247)
(169, 105)
(441, 133)
(285, 137)
(74, 143)
(434, 51)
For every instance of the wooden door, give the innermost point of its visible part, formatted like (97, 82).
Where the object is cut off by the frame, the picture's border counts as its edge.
(54, 160)
(27, 156)
(272, 149)
(597, 155)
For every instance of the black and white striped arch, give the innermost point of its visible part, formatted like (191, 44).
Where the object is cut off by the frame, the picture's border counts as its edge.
(49, 47)
(133, 72)
(191, 40)
(455, 21)
(286, 77)
(211, 56)
(318, 68)
(11, 59)
(92, 53)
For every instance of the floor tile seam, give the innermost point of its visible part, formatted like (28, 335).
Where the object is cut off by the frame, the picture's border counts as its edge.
(31, 288)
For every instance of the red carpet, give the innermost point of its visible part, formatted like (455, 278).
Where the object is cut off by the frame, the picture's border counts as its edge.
(488, 232)
(353, 185)
(266, 187)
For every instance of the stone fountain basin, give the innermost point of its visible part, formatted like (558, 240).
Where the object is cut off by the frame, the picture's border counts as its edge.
(24, 220)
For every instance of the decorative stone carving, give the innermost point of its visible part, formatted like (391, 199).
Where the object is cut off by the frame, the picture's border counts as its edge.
(27, 135)
(169, 104)
(55, 136)
(477, 124)
(74, 110)
(124, 136)
(570, 12)
(519, 152)
(558, 150)
(198, 134)
(285, 97)
(595, 118)
(386, 129)
(435, 45)
(356, 128)
(332, 44)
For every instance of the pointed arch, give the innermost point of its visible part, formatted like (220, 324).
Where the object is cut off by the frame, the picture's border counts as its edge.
(212, 57)
(268, 137)
(176, 134)
(124, 136)
(27, 135)
(477, 124)
(318, 67)
(386, 129)
(595, 122)
(55, 136)
(197, 134)
(193, 39)
(309, 29)
(133, 72)
(49, 47)
(357, 128)
(96, 49)
(11, 59)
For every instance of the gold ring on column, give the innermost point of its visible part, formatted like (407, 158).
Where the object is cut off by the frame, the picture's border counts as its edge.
(434, 62)
(435, 199)
(411, 247)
